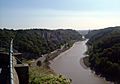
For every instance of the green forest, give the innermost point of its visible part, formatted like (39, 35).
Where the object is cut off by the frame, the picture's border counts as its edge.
(33, 43)
(104, 53)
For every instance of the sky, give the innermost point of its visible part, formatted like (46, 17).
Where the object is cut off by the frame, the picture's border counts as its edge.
(59, 14)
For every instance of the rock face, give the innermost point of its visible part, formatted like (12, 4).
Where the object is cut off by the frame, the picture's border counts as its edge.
(33, 43)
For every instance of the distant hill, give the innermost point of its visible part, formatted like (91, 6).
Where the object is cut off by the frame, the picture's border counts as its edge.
(94, 35)
(104, 53)
(83, 32)
(32, 43)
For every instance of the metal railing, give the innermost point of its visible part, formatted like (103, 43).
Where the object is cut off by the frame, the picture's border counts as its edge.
(11, 62)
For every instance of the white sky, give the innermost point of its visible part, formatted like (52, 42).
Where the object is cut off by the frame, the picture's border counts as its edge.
(54, 14)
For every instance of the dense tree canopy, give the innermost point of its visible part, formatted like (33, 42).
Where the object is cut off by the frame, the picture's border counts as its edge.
(104, 53)
(33, 43)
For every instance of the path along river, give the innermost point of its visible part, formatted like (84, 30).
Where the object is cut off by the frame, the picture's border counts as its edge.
(68, 64)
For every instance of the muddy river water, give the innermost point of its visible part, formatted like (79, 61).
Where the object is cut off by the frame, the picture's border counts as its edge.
(68, 64)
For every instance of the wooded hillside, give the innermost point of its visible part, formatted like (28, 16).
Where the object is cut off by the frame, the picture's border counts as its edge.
(104, 53)
(32, 43)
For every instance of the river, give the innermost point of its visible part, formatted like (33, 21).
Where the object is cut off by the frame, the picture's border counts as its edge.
(68, 64)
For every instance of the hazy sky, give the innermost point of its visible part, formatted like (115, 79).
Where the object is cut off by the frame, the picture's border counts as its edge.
(75, 14)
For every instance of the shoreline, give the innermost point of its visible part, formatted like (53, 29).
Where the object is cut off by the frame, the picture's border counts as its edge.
(83, 64)
(46, 58)
(86, 65)
(86, 61)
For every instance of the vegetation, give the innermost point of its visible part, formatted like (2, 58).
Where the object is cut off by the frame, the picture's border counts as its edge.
(95, 35)
(86, 61)
(33, 43)
(83, 32)
(41, 75)
(104, 53)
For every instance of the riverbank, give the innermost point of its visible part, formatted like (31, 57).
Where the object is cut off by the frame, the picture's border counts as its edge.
(68, 64)
(86, 64)
(44, 60)
(85, 61)
(44, 70)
